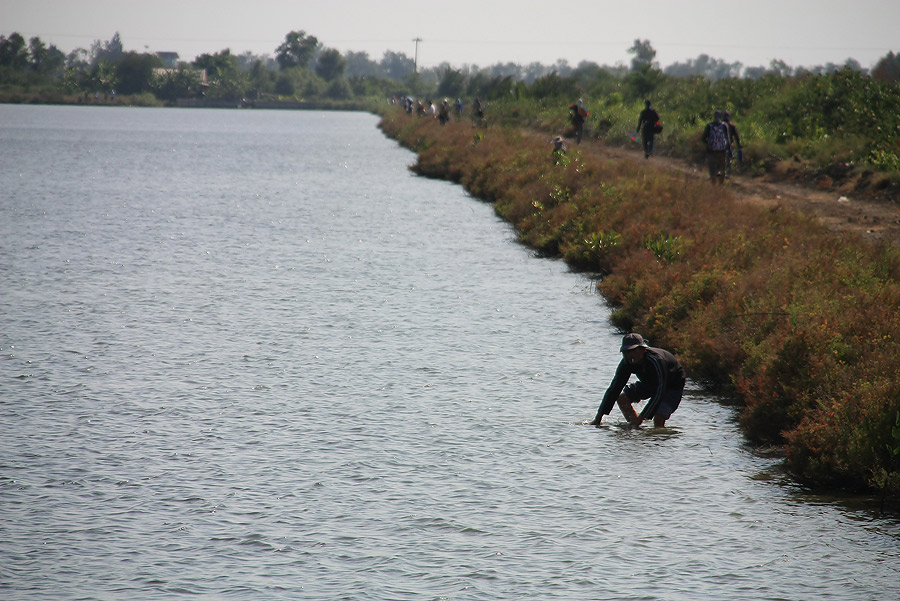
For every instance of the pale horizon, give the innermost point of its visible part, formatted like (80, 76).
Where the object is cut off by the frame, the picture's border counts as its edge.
(800, 33)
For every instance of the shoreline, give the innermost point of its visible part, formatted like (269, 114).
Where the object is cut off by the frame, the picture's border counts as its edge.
(764, 303)
(148, 100)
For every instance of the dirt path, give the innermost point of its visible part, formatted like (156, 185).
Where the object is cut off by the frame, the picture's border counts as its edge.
(873, 219)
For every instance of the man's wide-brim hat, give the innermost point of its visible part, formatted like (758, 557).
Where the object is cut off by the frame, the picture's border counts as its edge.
(632, 341)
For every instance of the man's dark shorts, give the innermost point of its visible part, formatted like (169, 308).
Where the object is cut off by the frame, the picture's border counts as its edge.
(669, 402)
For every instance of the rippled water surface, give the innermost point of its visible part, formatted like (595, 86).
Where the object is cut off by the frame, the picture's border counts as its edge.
(248, 355)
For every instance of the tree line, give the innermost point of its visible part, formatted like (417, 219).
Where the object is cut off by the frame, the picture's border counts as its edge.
(304, 69)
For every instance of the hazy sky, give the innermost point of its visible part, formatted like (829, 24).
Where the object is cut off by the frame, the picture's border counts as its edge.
(482, 32)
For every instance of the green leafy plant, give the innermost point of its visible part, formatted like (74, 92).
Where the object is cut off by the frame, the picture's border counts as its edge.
(666, 248)
(894, 447)
(598, 247)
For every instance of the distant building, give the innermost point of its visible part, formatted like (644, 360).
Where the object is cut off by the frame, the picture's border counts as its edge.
(198, 74)
(169, 59)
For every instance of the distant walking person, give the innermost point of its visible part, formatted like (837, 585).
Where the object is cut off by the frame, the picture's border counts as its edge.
(660, 379)
(735, 148)
(715, 136)
(647, 124)
(579, 114)
(477, 112)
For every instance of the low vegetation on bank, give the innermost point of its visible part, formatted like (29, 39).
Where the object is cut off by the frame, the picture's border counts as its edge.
(798, 322)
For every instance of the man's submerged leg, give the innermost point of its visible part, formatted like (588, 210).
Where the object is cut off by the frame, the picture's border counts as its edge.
(628, 411)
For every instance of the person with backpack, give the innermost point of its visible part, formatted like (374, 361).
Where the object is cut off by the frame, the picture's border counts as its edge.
(444, 112)
(715, 136)
(579, 114)
(648, 125)
(735, 147)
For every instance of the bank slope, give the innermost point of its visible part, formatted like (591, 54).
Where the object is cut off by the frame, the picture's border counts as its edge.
(802, 323)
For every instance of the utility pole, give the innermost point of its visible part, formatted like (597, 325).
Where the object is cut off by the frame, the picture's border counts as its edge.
(416, 61)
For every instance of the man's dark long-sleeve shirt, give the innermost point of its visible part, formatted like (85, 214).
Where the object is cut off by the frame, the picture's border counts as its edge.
(647, 119)
(659, 369)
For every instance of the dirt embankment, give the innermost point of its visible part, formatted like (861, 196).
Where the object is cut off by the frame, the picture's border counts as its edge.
(873, 217)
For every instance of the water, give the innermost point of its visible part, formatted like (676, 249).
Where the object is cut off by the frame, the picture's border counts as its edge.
(248, 355)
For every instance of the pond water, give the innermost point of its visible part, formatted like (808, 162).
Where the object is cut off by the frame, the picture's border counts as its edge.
(248, 355)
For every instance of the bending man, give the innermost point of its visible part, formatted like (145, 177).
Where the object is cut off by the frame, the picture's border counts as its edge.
(660, 379)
